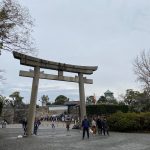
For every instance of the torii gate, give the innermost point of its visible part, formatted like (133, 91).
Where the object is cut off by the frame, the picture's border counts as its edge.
(60, 67)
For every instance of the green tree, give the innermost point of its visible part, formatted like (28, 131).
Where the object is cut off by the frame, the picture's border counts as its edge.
(102, 99)
(16, 99)
(112, 101)
(121, 103)
(60, 100)
(90, 100)
(3, 101)
(45, 100)
(131, 97)
(142, 102)
(138, 101)
(15, 27)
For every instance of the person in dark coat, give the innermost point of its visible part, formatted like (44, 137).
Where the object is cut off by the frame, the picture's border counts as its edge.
(105, 126)
(24, 125)
(85, 126)
(36, 125)
(99, 125)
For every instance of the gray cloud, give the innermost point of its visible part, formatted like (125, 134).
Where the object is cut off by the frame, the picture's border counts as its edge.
(109, 34)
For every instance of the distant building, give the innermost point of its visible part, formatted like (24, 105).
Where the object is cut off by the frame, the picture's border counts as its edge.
(73, 108)
(57, 109)
(109, 95)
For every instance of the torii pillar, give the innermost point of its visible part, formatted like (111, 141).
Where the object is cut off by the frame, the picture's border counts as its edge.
(82, 97)
(32, 106)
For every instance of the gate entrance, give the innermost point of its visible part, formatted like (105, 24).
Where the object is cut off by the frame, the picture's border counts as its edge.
(61, 68)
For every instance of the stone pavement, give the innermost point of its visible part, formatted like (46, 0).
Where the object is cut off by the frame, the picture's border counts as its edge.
(60, 139)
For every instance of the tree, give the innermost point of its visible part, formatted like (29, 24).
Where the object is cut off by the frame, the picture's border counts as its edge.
(121, 103)
(1, 106)
(138, 101)
(15, 27)
(102, 99)
(60, 100)
(112, 101)
(105, 100)
(143, 102)
(90, 100)
(45, 100)
(16, 102)
(131, 97)
(3, 102)
(142, 69)
(16, 99)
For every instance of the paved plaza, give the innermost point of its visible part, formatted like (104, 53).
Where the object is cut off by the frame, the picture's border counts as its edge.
(60, 139)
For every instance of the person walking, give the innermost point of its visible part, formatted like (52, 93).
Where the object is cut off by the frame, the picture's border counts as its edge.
(24, 125)
(3, 124)
(85, 126)
(53, 124)
(37, 122)
(68, 125)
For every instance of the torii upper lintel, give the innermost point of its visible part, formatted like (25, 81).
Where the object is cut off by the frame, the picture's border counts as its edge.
(33, 61)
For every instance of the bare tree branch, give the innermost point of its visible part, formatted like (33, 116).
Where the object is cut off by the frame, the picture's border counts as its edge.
(15, 28)
(142, 69)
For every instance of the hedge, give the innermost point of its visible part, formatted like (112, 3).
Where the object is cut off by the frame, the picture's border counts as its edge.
(129, 122)
(106, 109)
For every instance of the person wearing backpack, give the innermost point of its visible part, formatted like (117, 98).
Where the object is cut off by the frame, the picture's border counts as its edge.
(85, 127)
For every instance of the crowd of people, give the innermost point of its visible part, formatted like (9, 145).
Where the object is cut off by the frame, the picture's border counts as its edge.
(94, 125)
(98, 125)
(52, 119)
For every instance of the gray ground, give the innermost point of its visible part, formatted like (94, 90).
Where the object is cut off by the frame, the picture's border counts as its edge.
(60, 139)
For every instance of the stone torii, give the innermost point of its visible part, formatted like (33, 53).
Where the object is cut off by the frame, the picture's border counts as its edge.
(60, 67)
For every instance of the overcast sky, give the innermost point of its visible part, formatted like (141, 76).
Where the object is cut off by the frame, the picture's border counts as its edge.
(104, 33)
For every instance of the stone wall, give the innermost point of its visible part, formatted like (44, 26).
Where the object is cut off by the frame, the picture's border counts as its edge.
(42, 111)
(12, 115)
(15, 115)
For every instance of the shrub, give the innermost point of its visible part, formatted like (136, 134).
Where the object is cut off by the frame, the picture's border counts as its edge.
(105, 109)
(129, 122)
